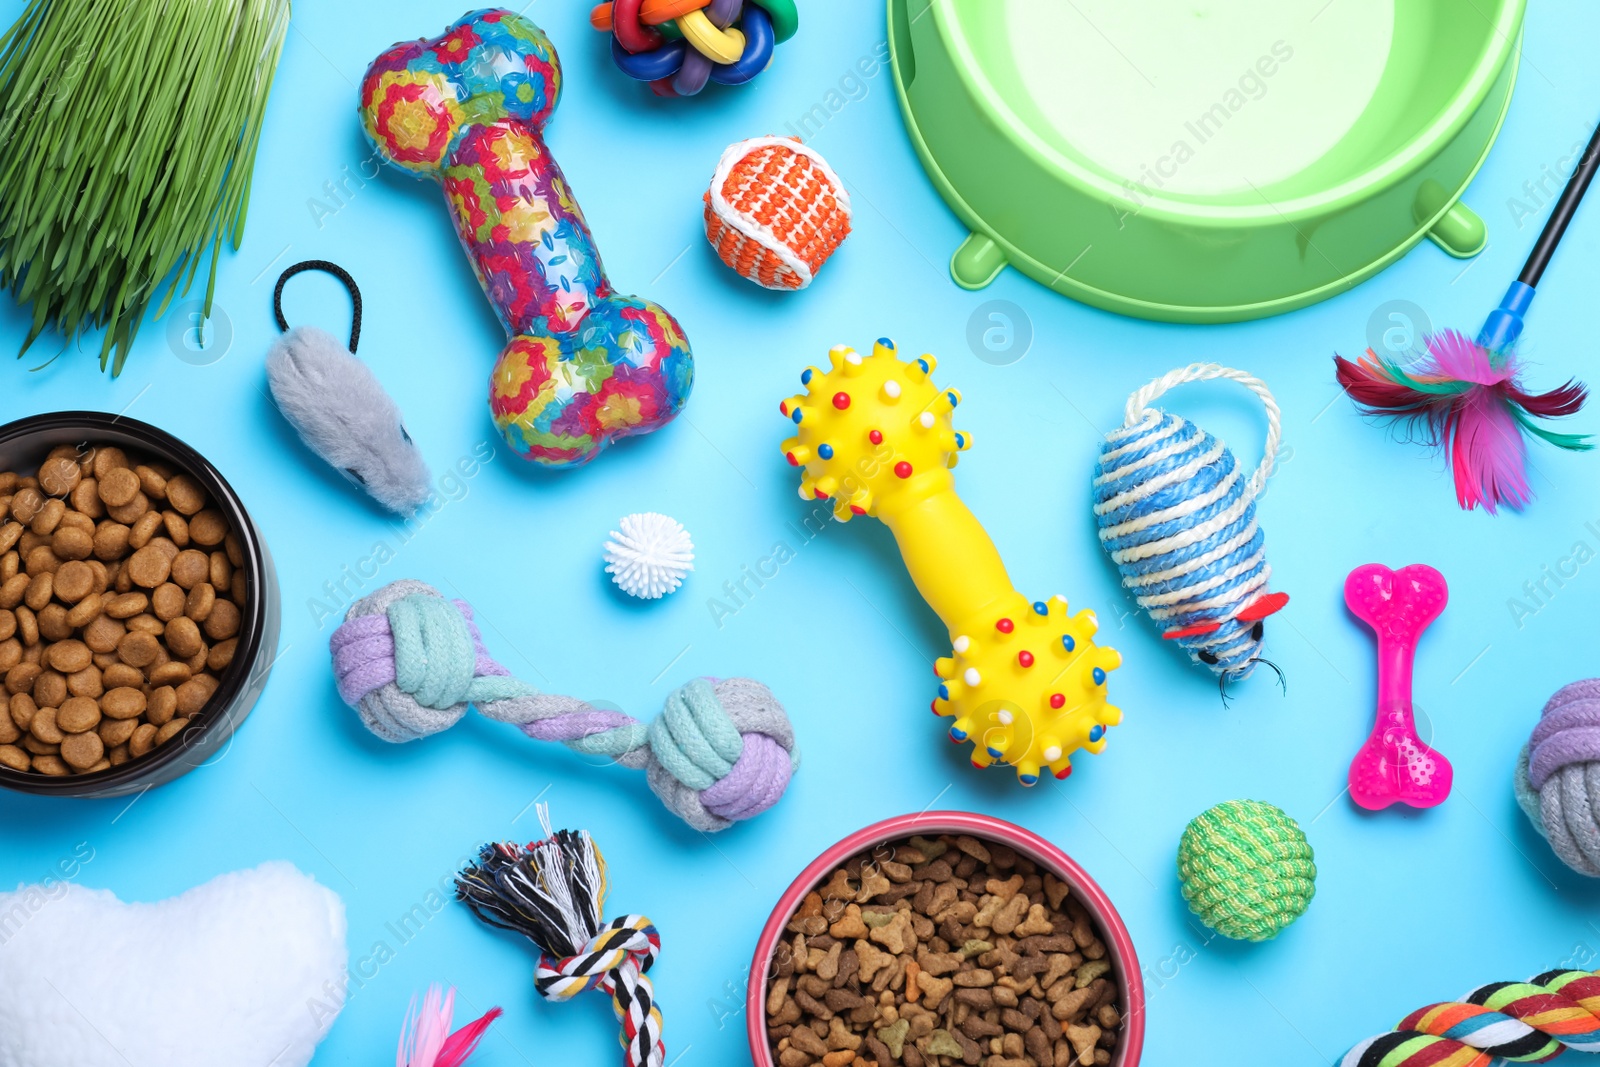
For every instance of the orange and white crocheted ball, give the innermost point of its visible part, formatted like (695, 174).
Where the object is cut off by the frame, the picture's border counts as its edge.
(776, 211)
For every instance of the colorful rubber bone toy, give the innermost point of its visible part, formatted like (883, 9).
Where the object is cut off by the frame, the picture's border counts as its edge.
(584, 366)
(680, 45)
(1503, 1022)
(1178, 517)
(1025, 682)
(1395, 765)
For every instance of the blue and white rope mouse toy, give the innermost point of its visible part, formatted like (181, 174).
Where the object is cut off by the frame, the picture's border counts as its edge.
(1177, 516)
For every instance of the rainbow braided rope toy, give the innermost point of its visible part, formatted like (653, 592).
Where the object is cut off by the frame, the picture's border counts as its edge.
(584, 365)
(680, 45)
(1177, 516)
(1515, 1022)
(1025, 682)
(553, 893)
(411, 662)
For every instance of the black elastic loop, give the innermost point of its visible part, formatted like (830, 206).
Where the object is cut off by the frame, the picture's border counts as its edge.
(327, 268)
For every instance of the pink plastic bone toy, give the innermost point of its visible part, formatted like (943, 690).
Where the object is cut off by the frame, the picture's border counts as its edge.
(1395, 765)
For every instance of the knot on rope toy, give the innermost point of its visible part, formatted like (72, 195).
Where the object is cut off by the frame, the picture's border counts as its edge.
(680, 45)
(1247, 870)
(1558, 776)
(1177, 515)
(1521, 1022)
(411, 663)
(628, 946)
(553, 893)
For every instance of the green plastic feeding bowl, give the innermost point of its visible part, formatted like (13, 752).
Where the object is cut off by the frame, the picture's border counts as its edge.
(1203, 160)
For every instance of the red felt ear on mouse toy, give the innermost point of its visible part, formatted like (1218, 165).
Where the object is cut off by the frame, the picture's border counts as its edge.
(1197, 630)
(1255, 611)
(1262, 606)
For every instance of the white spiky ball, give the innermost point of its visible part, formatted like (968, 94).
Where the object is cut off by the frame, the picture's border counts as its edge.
(650, 556)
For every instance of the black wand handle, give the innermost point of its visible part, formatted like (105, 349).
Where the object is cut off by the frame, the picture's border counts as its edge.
(1561, 216)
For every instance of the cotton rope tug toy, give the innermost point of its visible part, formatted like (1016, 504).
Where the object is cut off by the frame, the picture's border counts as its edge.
(411, 662)
(1503, 1022)
(776, 211)
(1024, 680)
(680, 45)
(553, 892)
(1178, 518)
(584, 366)
(1247, 870)
(1558, 776)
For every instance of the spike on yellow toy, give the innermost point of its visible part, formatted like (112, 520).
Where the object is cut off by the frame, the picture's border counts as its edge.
(1025, 681)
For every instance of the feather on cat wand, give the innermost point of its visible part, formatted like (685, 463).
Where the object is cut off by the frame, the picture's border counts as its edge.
(1465, 395)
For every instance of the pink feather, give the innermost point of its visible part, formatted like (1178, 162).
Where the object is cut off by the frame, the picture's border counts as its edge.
(1487, 453)
(464, 1041)
(426, 1040)
(1467, 401)
(1453, 355)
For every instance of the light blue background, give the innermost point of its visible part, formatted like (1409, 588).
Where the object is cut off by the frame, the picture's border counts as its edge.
(1411, 908)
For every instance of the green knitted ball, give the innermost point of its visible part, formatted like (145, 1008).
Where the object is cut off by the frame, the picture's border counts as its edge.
(1247, 870)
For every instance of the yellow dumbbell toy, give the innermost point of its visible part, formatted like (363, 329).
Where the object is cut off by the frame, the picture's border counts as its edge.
(1025, 681)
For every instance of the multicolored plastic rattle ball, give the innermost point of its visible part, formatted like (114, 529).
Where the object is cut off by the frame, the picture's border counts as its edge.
(680, 45)
(1025, 681)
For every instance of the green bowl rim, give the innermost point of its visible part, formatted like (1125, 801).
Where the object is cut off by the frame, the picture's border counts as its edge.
(1210, 314)
(1400, 165)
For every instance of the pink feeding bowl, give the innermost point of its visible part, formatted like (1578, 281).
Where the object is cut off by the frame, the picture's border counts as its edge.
(1119, 945)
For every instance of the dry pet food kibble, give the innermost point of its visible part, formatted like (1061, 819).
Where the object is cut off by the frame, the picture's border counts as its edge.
(121, 597)
(933, 952)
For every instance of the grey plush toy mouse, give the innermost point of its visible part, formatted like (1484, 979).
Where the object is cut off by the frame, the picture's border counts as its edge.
(341, 411)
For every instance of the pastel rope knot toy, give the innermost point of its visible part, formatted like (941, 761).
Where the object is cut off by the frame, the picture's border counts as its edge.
(1177, 516)
(1558, 776)
(1025, 681)
(584, 366)
(1395, 766)
(1247, 870)
(680, 45)
(411, 663)
(553, 893)
(1503, 1022)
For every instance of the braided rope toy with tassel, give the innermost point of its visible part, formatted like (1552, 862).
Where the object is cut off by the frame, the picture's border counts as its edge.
(1503, 1022)
(553, 893)
(411, 662)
